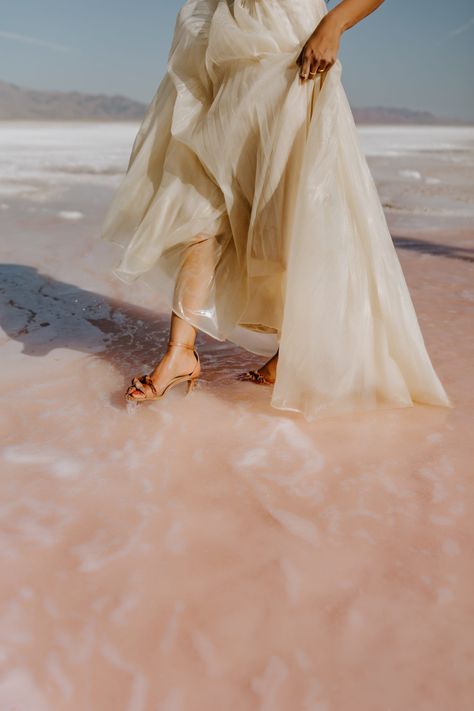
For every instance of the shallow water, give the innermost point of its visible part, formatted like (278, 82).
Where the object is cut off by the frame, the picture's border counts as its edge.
(207, 551)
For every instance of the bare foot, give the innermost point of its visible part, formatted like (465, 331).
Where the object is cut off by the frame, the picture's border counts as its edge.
(176, 361)
(265, 375)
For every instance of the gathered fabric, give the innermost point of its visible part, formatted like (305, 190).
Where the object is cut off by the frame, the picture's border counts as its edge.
(249, 206)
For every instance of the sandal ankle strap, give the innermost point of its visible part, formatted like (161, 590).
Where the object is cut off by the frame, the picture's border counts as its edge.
(183, 345)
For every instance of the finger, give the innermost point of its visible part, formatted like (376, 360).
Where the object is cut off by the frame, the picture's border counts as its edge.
(319, 65)
(305, 68)
(299, 61)
(313, 69)
(322, 68)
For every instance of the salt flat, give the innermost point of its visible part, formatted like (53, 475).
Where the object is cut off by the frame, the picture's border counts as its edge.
(210, 552)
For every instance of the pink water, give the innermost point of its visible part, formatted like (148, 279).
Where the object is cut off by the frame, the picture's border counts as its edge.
(210, 552)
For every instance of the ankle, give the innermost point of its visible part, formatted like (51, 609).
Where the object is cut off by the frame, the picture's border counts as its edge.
(179, 354)
(181, 344)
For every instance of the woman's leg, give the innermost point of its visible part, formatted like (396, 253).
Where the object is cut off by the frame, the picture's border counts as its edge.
(191, 290)
(266, 374)
(269, 368)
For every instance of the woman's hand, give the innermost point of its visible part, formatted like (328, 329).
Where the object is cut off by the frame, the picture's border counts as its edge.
(320, 51)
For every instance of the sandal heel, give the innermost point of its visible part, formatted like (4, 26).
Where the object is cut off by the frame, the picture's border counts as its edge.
(191, 385)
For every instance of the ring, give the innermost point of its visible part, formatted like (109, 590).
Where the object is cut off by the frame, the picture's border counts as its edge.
(320, 70)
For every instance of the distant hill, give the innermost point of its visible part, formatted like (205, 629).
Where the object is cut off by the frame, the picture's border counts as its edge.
(384, 115)
(20, 103)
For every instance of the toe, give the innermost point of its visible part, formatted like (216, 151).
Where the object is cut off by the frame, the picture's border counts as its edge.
(134, 394)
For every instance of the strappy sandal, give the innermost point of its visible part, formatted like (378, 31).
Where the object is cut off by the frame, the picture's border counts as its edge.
(255, 377)
(139, 381)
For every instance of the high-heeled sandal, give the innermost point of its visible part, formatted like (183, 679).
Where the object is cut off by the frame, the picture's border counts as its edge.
(140, 380)
(255, 377)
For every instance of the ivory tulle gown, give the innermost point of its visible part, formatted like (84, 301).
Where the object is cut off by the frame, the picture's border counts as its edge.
(257, 182)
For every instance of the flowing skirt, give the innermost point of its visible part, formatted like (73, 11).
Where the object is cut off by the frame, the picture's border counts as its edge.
(256, 183)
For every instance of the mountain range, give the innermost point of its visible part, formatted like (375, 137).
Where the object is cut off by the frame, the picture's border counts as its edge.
(21, 103)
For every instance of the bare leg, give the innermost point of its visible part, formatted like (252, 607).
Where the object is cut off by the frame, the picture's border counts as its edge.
(193, 282)
(269, 369)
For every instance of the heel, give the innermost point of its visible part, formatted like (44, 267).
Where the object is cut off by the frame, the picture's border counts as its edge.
(191, 385)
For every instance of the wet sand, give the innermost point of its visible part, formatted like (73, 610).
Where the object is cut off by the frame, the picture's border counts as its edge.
(211, 552)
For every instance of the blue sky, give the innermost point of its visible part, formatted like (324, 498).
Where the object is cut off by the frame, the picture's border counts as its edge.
(410, 53)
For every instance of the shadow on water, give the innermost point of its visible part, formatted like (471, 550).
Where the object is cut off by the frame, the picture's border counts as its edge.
(442, 250)
(44, 314)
